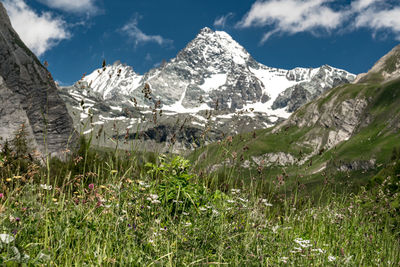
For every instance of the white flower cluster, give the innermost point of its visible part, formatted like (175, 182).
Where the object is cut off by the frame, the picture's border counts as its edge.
(46, 187)
(153, 198)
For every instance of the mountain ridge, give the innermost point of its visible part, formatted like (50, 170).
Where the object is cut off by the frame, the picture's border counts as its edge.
(213, 73)
(351, 128)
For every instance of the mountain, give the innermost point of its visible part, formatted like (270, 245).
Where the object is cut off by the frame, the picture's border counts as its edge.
(387, 68)
(353, 128)
(213, 72)
(29, 95)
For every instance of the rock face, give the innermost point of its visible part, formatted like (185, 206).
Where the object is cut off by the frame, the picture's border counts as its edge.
(324, 79)
(29, 95)
(212, 74)
(12, 115)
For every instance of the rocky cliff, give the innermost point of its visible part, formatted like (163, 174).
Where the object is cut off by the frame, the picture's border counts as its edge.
(30, 95)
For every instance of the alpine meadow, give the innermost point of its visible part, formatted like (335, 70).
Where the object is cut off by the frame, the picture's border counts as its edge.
(209, 158)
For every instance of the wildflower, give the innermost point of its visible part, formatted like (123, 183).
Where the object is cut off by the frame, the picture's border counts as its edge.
(6, 239)
(54, 199)
(202, 209)
(153, 196)
(242, 199)
(17, 219)
(303, 243)
(318, 250)
(8, 180)
(235, 191)
(265, 202)
(46, 187)
(296, 250)
(17, 177)
(331, 258)
(43, 257)
(1, 195)
(103, 187)
(284, 259)
(91, 186)
(188, 224)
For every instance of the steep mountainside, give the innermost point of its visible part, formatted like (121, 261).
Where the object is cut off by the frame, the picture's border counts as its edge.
(213, 72)
(353, 127)
(29, 95)
(387, 68)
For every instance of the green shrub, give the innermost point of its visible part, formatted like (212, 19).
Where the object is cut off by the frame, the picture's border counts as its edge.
(174, 184)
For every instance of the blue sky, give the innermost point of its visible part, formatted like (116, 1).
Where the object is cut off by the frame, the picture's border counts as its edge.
(75, 35)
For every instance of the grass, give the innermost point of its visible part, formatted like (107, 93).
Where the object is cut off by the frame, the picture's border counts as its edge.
(118, 210)
(115, 207)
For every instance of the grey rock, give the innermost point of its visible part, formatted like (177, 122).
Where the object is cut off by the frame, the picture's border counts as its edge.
(357, 165)
(302, 93)
(277, 159)
(34, 93)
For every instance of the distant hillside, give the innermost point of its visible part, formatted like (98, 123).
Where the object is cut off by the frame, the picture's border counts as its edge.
(353, 127)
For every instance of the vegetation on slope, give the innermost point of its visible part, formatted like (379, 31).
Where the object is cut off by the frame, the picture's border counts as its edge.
(103, 208)
(359, 158)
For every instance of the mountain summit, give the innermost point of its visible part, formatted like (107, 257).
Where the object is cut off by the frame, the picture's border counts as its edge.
(215, 68)
(213, 72)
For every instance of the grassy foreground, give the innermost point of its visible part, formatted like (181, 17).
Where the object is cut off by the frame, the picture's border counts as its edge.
(109, 209)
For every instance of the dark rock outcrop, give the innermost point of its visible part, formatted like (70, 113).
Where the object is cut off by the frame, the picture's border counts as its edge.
(30, 95)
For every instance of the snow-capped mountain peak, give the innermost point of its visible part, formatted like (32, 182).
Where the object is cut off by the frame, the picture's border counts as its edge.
(220, 42)
(113, 79)
(214, 68)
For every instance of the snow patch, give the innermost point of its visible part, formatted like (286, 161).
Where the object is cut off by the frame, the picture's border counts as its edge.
(214, 82)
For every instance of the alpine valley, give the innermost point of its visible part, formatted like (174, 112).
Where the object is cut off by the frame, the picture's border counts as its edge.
(212, 88)
(266, 166)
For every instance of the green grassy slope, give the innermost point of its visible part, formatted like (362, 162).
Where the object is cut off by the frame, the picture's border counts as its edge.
(376, 134)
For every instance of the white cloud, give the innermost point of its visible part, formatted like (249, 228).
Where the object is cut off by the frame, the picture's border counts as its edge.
(139, 37)
(359, 5)
(379, 17)
(295, 16)
(80, 6)
(292, 16)
(222, 20)
(40, 32)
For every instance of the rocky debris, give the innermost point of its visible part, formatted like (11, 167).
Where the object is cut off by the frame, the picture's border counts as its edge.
(218, 166)
(357, 165)
(34, 93)
(277, 159)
